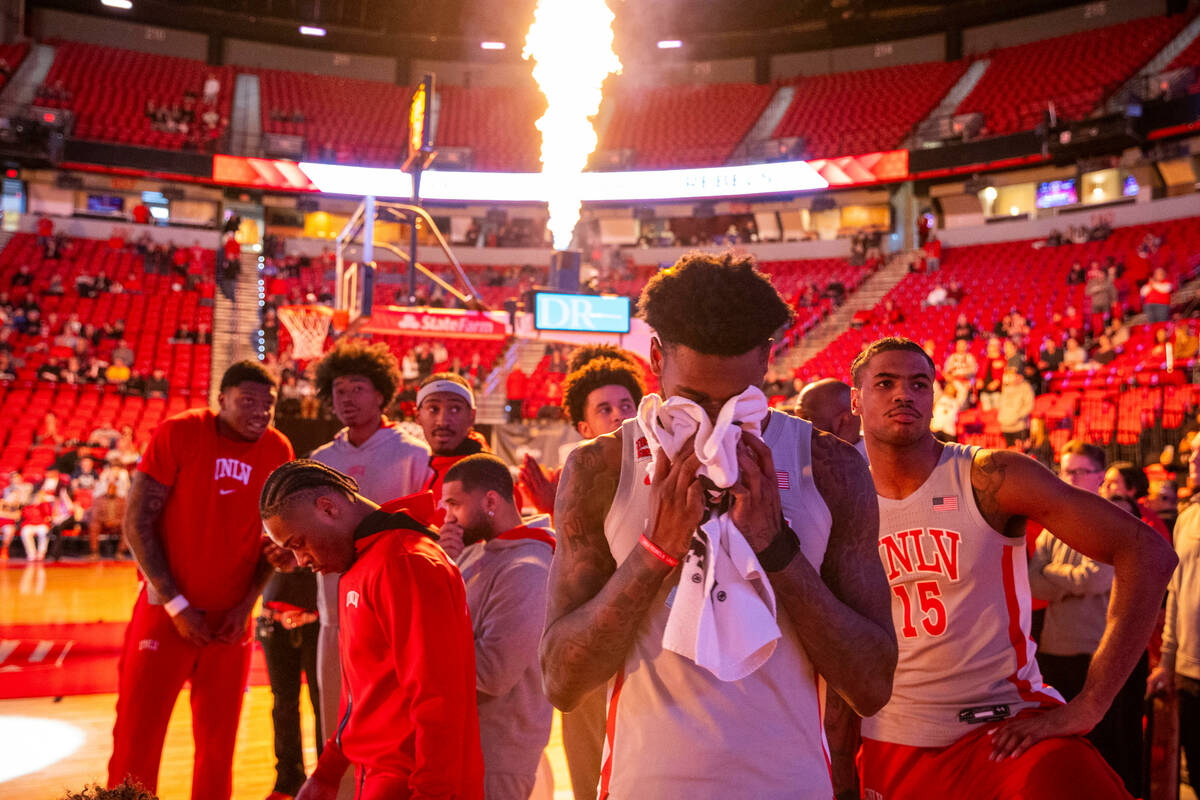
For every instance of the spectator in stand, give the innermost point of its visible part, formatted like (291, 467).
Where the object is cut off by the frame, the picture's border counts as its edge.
(1156, 297)
(1038, 445)
(891, 314)
(933, 253)
(126, 450)
(36, 518)
(24, 277)
(964, 329)
(1013, 357)
(1076, 275)
(441, 356)
(105, 519)
(944, 422)
(1074, 357)
(516, 391)
(1102, 294)
(49, 432)
(425, 362)
(212, 89)
(1050, 358)
(938, 296)
(135, 386)
(141, 214)
(1105, 353)
(113, 474)
(104, 436)
(1125, 483)
(117, 373)
(51, 371)
(505, 566)
(1186, 343)
(989, 383)
(1015, 405)
(1163, 500)
(122, 353)
(961, 369)
(45, 232)
(955, 293)
(157, 385)
(15, 496)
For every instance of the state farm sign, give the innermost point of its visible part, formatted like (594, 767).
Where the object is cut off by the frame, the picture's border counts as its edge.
(446, 323)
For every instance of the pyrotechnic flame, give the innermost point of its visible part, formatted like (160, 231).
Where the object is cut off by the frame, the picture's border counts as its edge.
(571, 45)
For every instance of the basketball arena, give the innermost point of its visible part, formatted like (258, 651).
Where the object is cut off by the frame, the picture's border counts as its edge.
(601, 399)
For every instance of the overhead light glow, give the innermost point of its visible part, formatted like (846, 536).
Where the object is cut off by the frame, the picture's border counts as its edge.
(492, 45)
(124, 5)
(311, 30)
(670, 44)
(571, 45)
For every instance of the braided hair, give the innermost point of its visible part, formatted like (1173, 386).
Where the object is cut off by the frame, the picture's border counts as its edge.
(298, 476)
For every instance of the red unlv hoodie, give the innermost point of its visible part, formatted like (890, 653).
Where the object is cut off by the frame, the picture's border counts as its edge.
(407, 650)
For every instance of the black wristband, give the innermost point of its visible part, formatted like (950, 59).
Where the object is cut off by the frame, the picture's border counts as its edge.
(782, 549)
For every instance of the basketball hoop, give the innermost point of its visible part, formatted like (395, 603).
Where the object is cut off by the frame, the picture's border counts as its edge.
(308, 326)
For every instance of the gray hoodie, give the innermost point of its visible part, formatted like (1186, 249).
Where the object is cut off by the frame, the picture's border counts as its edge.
(506, 592)
(1181, 633)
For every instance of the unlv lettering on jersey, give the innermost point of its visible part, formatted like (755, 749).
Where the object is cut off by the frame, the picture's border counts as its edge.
(920, 551)
(232, 468)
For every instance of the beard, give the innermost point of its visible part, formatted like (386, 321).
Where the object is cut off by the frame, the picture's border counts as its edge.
(476, 532)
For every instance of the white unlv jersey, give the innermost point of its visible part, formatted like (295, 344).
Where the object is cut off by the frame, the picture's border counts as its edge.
(960, 606)
(674, 729)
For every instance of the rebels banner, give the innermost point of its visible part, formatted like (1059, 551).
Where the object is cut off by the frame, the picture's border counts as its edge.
(439, 322)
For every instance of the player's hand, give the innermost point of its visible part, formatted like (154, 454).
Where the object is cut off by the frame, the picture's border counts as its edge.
(450, 537)
(676, 501)
(280, 558)
(235, 628)
(1011, 739)
(191, 626)
(314, 789)
(538, 486)
(1160, 682)
(756, 504)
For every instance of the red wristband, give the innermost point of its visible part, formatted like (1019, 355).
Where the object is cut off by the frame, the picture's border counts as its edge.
(658, 552)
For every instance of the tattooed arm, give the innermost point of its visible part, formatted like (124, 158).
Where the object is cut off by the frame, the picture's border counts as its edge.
(147, 499)
(1009, 487)
(594, 606)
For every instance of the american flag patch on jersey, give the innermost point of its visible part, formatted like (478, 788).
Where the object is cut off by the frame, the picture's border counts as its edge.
(785, 482)
(948, 503)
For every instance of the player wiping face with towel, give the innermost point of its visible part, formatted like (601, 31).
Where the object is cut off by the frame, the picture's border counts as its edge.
(803, 501)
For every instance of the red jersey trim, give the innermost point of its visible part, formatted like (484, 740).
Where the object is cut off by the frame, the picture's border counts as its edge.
(525, 532)
(1016, 635)
(610, 734)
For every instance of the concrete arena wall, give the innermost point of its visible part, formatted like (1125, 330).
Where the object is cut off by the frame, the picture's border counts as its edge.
(49, 23)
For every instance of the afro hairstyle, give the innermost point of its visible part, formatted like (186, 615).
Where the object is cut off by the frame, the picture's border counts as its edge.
(375, 362)
(590, 352)
(718, 305)
(594, 374)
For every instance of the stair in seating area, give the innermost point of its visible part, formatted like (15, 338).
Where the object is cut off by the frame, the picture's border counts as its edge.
(934, 127)
(764, 127)
(235, 324)
(22, 87)
(490, 401)
(872, 290)
(1173, 48)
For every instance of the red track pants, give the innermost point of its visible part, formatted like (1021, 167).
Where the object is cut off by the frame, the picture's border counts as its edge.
(155, 663)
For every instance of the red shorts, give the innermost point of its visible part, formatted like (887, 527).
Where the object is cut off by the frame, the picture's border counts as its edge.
(1053, 769)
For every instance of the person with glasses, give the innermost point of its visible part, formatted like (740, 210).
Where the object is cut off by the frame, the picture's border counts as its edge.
(1076, 589)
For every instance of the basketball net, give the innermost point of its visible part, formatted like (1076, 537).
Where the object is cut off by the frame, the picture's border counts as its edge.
(308, 326)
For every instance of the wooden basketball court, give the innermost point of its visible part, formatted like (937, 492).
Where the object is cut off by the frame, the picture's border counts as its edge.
(51, 744)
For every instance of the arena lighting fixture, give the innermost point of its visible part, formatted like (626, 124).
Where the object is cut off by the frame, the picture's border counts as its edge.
(669, 44)
(594, 187)
(492, 45)
(312, 30)
(124, 5)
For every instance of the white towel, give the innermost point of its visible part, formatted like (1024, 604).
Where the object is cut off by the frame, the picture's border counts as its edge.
(723, 612)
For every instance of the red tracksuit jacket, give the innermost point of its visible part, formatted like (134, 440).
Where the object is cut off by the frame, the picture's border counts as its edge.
(408, 718)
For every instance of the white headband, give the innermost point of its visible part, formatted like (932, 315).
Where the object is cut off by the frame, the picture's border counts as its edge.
(453, 387)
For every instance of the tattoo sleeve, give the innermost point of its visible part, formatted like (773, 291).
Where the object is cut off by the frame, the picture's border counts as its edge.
(843, 614)
(594, 606)
(147, 499)
(988, 474)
